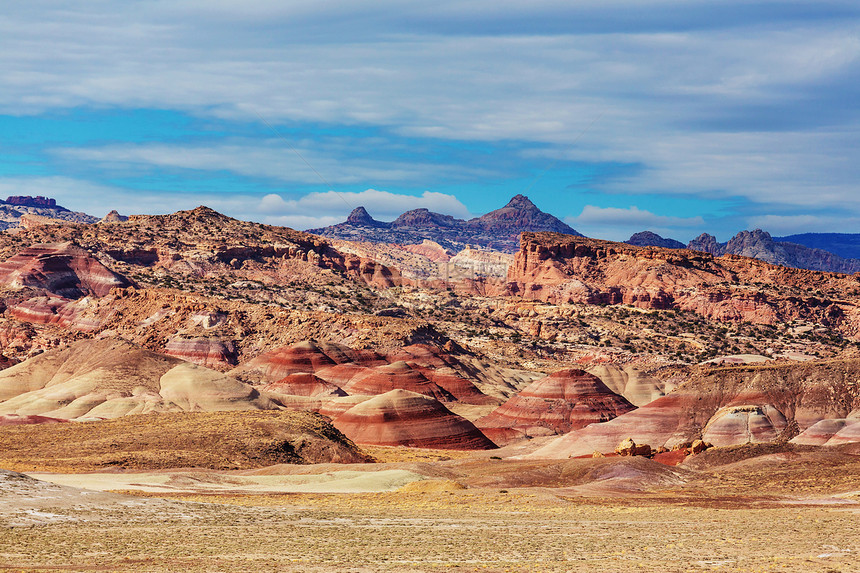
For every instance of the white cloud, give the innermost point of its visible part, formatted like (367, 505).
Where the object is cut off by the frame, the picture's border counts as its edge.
(273, 158)
(742, 100)
(618, 224)
(778, 225)
(98, 200)
(309, 211)
(632, 216)
(382, 205)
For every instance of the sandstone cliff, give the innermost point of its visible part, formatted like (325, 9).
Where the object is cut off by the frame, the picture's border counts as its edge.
(563, 269)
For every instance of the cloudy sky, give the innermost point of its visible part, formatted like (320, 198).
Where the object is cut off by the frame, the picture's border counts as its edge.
(615, 115)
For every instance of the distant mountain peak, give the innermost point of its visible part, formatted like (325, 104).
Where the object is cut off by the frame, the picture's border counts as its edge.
(424, 218)
(520, 201)
(523, 215)
(499, 229)
(360, 216)
(652, 239)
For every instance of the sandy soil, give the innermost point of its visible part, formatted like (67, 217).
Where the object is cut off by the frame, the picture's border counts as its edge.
(478, 514)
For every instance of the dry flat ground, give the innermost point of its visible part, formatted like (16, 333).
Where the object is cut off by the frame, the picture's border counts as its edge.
(472, 514)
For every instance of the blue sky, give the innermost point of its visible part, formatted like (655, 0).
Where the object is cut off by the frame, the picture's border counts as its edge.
(679, 117)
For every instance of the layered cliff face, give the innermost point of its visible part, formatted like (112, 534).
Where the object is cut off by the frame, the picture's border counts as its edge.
(563, 269)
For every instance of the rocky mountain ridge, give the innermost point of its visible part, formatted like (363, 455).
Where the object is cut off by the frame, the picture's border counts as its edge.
(846, 245)
(499, 229)
(14, 208)
(759, 244)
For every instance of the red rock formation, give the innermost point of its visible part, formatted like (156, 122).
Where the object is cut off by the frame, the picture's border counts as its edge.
(821, 432)
(430, 249)
(564, 401)
(847, 435)
(333, 407)
(309, 357)
(403, 418)
(399, 375)
(342, 354)
(205, 351)
(63, 269)
(463, 390)
(27, 201)
(732, 405)
(114, 217)
(341, 374)
(744, 424)
(54, 311)
(303, 384)
(564, 269)
(277, 364)
(661, 423)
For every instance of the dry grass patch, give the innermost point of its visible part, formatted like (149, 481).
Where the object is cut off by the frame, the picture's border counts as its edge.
(214, 440)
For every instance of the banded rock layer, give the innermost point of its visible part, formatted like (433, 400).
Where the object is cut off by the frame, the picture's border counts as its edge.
(731, 405)
(63, 269)
(403, 418)
(561, 402)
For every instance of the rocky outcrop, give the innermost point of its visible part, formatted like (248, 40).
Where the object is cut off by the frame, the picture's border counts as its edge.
(63, 269)
(497, 230)
(38, 202)
(14, 208)
(707, 244)
(424, 218)
(562, 269)
(630, 448)
(360, 217)
(564, 401)
(403, 418)
(114, 217)
(650, 239)
(744, 425)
